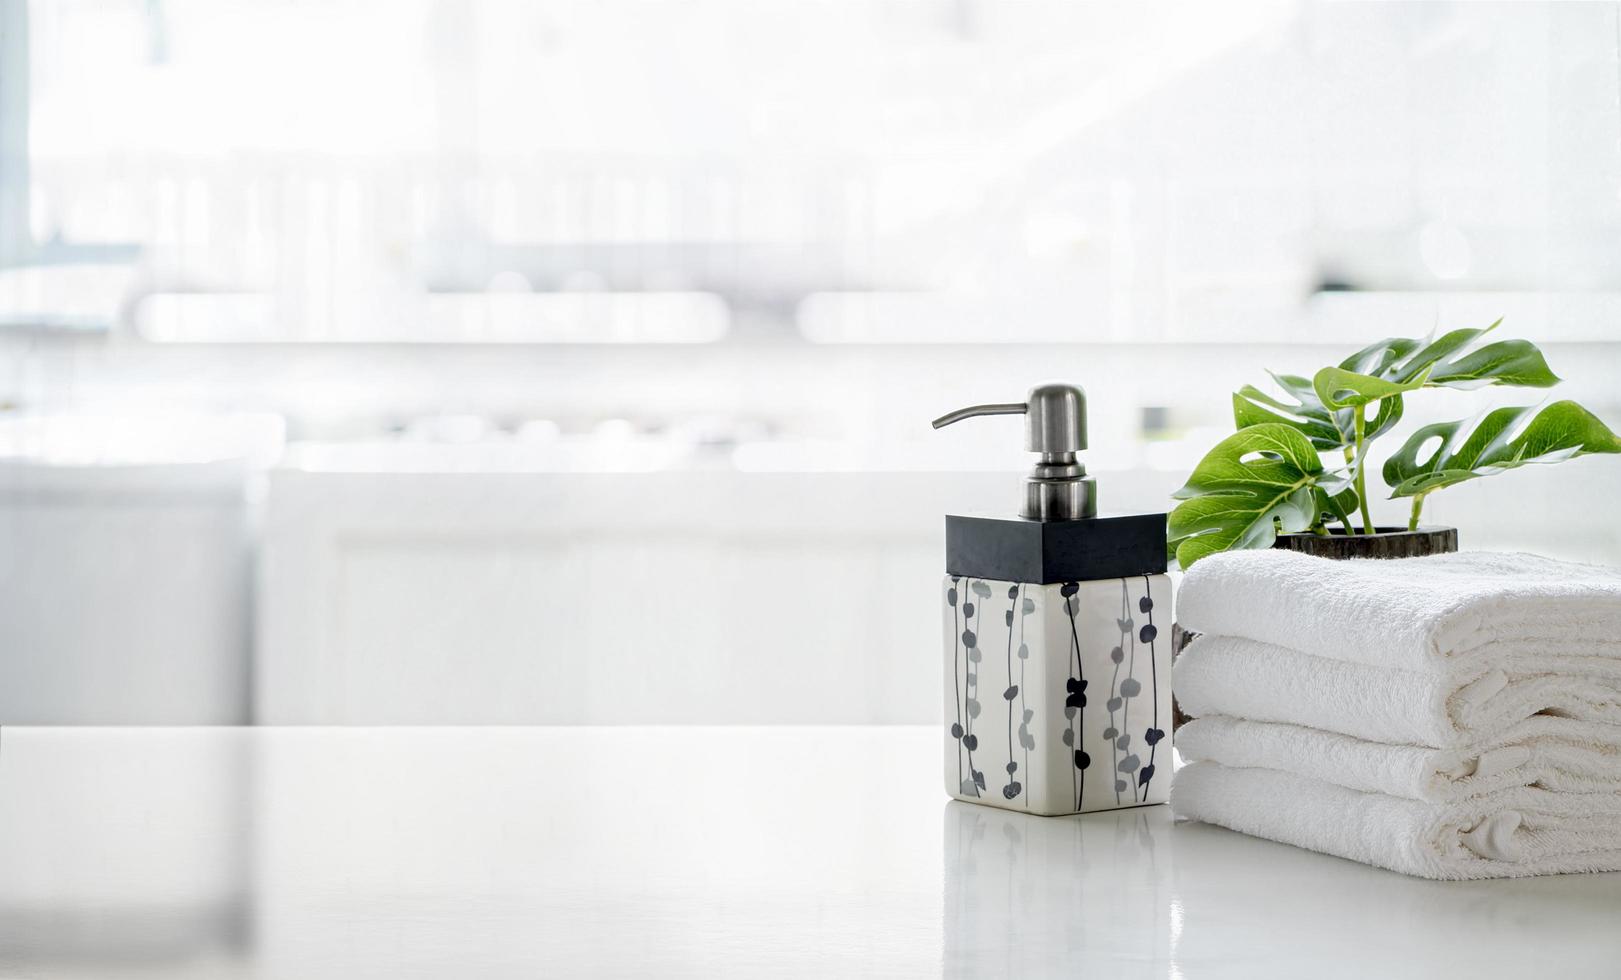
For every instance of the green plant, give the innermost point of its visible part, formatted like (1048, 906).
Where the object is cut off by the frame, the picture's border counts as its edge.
(1269, 477)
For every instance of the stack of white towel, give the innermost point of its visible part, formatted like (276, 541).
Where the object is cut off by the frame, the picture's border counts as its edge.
(1456, 716)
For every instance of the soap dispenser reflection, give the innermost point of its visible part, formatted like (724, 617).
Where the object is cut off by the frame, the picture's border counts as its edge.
(1057, 681)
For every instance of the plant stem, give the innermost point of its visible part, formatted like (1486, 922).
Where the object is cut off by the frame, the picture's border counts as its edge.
(1418, 507)
(1361, 481)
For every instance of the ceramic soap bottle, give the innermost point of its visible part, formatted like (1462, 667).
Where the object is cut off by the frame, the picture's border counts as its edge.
(1057, 636)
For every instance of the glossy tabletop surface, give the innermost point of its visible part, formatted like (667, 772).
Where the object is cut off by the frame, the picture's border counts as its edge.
(681, 852)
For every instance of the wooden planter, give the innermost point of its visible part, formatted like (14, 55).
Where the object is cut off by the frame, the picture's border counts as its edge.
(1388, 542)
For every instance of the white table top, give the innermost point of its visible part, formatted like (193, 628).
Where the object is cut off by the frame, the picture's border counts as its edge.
(675, 852)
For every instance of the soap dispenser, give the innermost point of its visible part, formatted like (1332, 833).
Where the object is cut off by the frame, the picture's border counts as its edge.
(1057, 678)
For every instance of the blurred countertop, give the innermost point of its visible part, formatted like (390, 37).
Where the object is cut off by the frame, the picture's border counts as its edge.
(494, 852)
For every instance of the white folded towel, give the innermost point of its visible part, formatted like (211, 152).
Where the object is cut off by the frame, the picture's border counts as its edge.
(1519, 613)
(1507, 834)
(1242, 678)
(1557, 754)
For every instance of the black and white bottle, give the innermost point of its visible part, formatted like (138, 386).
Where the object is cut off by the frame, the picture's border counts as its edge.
(1057, 636)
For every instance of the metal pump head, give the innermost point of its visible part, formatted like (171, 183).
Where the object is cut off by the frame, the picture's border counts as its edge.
(1057, 488)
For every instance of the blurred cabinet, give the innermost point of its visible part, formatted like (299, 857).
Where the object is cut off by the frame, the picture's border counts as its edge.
(685, 597)
(124, 594)
(594, 598)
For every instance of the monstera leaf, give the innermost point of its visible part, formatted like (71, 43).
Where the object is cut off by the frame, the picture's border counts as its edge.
(1252, 481)
(1384, 372)
(1502, 440)
(1338, 388)
(1328, 430)
(1252, 406)
(1507, 362)
(1452, 361)
(1382, 357)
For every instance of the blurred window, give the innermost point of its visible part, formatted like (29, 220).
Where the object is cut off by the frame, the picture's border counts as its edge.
(845, 171)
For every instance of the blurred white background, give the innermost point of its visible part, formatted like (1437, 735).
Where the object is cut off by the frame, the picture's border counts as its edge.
(432, 361)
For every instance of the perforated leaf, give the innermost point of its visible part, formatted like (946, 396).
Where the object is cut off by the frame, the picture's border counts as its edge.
(1245, 487)
(1503, 439)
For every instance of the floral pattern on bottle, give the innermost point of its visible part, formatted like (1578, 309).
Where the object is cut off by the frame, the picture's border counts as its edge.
(957, 730)
(1117, 656)
(1027, 715)
(1075, 697)
(1149, 635)
(1011, 694)
(963, 730)
(1055, 641)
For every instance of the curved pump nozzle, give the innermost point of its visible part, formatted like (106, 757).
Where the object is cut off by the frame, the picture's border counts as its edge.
(1006, 408)
(1058, 488)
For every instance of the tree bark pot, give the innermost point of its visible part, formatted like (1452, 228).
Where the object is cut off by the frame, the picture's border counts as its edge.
(1386, 542)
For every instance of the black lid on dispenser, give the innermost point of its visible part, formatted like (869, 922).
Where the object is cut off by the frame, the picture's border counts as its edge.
(1018, 549)
(1056, 537)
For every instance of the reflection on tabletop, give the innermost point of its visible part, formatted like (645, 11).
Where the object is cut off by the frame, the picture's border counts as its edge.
(492, 852)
